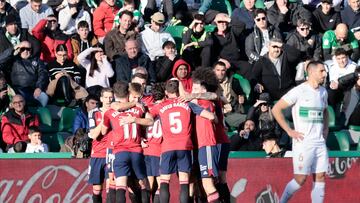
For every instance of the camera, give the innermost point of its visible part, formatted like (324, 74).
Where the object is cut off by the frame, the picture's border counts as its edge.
(349, 80)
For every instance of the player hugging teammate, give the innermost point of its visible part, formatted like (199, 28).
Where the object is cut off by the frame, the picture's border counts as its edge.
(152, 141)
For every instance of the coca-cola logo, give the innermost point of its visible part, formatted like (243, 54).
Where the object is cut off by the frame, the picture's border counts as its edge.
(47, 179)
(339, 166)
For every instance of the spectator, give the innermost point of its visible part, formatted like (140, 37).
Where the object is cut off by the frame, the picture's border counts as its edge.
(275, 72)
(325, 17)
(164, 64)
(115, 40)
(32, 13)
(16, 122)
(29, 76)
(351, 17)
(48, 33)
(270, 145)
(81, 119)
(245, 14)
(64, 78)
(340, 37)
(307, 43)
(104, 18)
(5, 10)
(256, 43)
(177, 12)
(351, 104)
(71, 15)
(137, 21)
(153, 37)
(196, 43)
(35, 145)
(82, 40)
(98, 68)
(284, 15)
(182, 71)
(210, 9)
(226, 45)
(125, 64)
(247, 138)
(6, 95)
(341, 65)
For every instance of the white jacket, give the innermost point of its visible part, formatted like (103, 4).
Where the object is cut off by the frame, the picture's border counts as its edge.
(152, 42)
(336, 72)
(68, 24)
(100, 77)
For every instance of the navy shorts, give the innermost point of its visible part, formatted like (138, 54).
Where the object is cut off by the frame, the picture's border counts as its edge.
(97, 171)
(175, 161)
(209, 161)
(152, 165)
(224, 150)
(126, 162)
(109, 160)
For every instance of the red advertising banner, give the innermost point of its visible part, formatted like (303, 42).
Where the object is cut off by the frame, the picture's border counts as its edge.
(250, 180)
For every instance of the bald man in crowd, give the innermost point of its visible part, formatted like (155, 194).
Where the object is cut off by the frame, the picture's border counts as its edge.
(340, 37)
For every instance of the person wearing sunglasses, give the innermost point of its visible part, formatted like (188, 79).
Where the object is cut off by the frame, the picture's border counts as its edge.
(28, 74)
(47, 31)
(305, 41)
(274, 72)
(256, 43)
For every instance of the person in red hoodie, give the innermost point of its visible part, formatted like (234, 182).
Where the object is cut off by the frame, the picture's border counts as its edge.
(16, 122)
(104, 18)
(181, 71)
(47, 31)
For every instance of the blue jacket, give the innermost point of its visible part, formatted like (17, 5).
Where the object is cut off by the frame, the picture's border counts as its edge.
(81, 120)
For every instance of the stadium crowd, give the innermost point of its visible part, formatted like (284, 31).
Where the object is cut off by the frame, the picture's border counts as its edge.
(218, 66)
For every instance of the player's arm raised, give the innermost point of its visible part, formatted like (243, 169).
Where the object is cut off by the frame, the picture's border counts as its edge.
(200, 111)
(147, 121)
(279, 116)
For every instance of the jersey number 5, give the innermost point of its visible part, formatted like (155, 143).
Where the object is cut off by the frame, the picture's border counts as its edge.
(175, 122)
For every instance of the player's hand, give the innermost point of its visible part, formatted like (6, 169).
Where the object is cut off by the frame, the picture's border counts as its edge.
(143, 143)
(296, 135)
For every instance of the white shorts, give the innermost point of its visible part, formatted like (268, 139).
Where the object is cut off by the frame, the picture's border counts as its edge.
(308, 159)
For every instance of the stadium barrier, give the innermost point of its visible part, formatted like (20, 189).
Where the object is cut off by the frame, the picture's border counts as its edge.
(24, 179)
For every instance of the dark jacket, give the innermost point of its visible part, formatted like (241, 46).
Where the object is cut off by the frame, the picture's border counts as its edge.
(253, 143)
(324, 22)
(254, 42)
(9, 10)
(114, 42)
(245, 16)
(287, 22)
(163, 68)
(14, 128)
(301, 43)
(26, 73)
(81, 120)
(351, 18)
(123, 67)
(264, 72)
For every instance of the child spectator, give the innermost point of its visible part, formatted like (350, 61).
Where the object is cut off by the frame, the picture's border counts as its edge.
(129, 5)
(35, 145)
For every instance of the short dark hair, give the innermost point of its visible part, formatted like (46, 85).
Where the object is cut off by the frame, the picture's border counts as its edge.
(121, 89)
(83, 24)
(92, 97)
(340, 51)
(127, 2)
(168, 43)
(37, 1)
(107, 89)
(199, 16)
(139, 75)
(303, 21)
(135, 87)
(207, 78)
(172, 86)
(219, 63)
(259, 11)
(61, 47)
(313, 64)
(126, 12)
(34, 129)
(158, 91)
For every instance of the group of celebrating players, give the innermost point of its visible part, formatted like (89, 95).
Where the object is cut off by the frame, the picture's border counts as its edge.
(141, 139)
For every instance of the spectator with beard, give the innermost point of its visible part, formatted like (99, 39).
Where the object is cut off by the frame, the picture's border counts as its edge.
(32, 13)
(48, 33)
(247, 138)
(71, 15)
(351, 17)
(325, 17)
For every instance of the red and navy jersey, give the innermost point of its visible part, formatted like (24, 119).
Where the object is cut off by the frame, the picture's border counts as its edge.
(154, 139)
(147, 100)
(205, 131)
(221, 136)
(99, 145)
(176, 126)
(124, 137)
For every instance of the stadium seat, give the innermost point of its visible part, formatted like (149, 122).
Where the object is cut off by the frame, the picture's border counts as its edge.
(229, 7)
(46, 123)
(358, 145)
(343, 140)
(209, 28)
(245, 85)
(66, 120)
(53, 140)
(332, 119)
(176, 32)
(354, 128)
(331, 142)
(258, 4)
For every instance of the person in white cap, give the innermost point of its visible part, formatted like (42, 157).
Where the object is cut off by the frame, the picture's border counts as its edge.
(153, 37)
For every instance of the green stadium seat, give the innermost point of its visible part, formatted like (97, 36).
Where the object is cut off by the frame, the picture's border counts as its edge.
(245, 84)
(210, 28)
(343, 140)
(46, 123)
(229, 7)
(358, 145)
(176, 32)
(354, 128)
(66, 120)
(332, 119)
(258, 4)
(53, 140)
(331, 142)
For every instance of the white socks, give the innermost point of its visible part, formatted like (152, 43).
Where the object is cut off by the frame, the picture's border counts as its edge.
(290, 189)
(318, 192)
